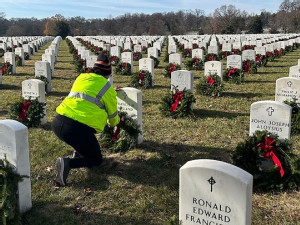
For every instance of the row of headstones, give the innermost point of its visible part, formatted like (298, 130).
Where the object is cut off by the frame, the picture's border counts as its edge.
(10, 56)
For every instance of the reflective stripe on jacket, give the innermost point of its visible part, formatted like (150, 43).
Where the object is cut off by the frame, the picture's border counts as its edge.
(91, 101)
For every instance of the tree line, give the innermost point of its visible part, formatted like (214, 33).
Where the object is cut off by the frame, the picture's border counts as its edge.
(226, 19)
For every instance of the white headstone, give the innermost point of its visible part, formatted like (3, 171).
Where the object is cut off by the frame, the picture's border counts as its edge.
(198, 53)
(20, 52)
(35, 89)
(127, 57)
(130, 100)
(294, 71)
(272, 116)
(127, 45)
(147, 64)
(248, 55)
(42, 69)
(14, 144)
(90, 60)
(260, 50)
(172, 49)
(213, 49)
(152, 51)
(182, 79)
(26, 48)
(226, 47)
(287, 88)
(234, 61)
(137, 48)
(49, 58)
(176, 58)
(115, 51)
(213, 67)
(214, 192)
(10, 57)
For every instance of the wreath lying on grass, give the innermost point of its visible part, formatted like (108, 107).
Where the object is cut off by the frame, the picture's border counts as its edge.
(187, 53)
(252, 154)
(194, 64)
(249, 66)
(295, 128)
(142, 79)
(177, 104)
(234, 75)
(270, 56)
(210, 85)
(137, 56)
(121, 138)
(8, 193)
(123, 68)
(27, 111)
(170, 68)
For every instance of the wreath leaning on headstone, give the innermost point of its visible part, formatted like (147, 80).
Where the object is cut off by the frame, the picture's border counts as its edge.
(6, 68)
(142, 79)
(177, 104)
(121, 138)
(249, 66)
(156, 61)
(8, 193)
(295, 128)
(170, 68)
(27, 111)
(211, 85)
(233, 75)
(123, 68)
(261, 149)
(194, 64)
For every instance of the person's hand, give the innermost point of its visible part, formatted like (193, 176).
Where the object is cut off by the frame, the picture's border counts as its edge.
(118, 88)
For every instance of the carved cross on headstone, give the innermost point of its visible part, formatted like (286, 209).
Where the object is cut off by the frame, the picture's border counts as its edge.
(211, 181)
(29, 85)
(270, 110)
(289, 83)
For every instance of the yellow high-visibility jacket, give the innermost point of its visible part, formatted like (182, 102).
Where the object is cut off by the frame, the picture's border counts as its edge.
(91, 101)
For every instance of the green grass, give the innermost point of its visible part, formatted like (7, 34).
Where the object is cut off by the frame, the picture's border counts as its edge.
(143, 186)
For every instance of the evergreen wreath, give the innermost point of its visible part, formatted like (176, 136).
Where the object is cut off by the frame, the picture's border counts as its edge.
(224, 54)
(27, 111)
(295, 128)
(170, 68)
(44, 79)
(123, 137)
(123, 68)
(177, 104)
(26, 56)
(142, 79)
(136, 56)
(233, 75)
(249, 66)
(187, 53)
(156, 61)
(261, 60)
(270, 56)
(210, 85)
(236, 51)
(194, 64)
(18, 60)
(250, 155)
(2, 52)
(211, 57)
(8, 194)
(6, 68)
(114, 60)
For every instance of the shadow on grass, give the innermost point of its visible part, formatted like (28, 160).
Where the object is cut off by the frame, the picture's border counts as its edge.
(10, 87)
(77, 213)
(62, 78)
(3, 113)
(58, 94)
(240, 95)
(160, 170)
(203, 113)
(259, 81)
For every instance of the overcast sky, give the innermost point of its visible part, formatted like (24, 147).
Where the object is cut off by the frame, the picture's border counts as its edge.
(106, 9)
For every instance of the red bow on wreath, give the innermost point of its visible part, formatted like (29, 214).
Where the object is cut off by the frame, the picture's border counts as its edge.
(276, 53)
(177, 97)
(24, 109)
(83, 63)
(247, 66)
(235, 51)
(268, 54)
(211, 58)
(141, 78)
(224, 54)
(232, 71)
(113, 59)
(258, 59)
(117, 132)
(210, 80)
(123, 66)
(4, 69)
(172, 68)
(270, 152)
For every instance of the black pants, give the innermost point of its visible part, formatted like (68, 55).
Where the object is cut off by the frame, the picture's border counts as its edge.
(81, 137)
